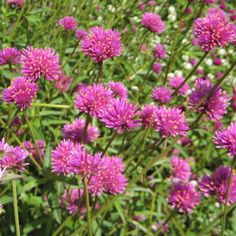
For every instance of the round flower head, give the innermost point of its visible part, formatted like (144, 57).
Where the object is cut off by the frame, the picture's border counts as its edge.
(171, 122)
(157, 68)
(214, 30)
(80, 34)
(226, 138)
(153, 22)
(206, 185)
(92, 98)
(109, 177)
(32, 149)
(184, 197)
(161, 94)
(101, 44)
(22, 92)
(159, 51)
(63, 82)
(38, 62)
(18, 3)
(215, 106)
(68, 23)
(118, 89)
(61, 157)
(148, 116)
(9, 56)
(176, 81)
(180, 169)
(74, 131)
(119, 115)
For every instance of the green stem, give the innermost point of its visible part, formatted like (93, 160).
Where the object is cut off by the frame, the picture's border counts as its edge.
(227, 196)
(85, 129)
(109, 143)
(100, 72)
(15, 205)
(51, 105)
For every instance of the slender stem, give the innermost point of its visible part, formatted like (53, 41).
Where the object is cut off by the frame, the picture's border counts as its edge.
(227, 196)
(100, 72)
(87, 206)
(85, 129)
(51, 105)
(109, 143)
(15, 205)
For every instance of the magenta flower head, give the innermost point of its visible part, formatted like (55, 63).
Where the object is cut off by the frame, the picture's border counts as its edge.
(148, 116)
(176, 81)
(214, 30)
(210, 1)
(118, 89)
(215, 106)
(159, 51)
(161, 94)
(63, 82)
(153, 22)
(109, 177)
(18, 3)
(80, 34)
(68, 23)
(92, 98)
(38, 62)
(157, 68)
(181, 170)
(101, 44)
(226, 138)
(183, 197)
(171, 122)
(22, 92)
(119, 115)
(74, 131)
(32, 149)
(9, 56)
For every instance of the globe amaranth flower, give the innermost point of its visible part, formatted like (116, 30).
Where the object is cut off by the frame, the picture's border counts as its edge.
(217, 184)
(68, 23)
(226, 138)
(176, 81)
(171, 122)
(157, 68)
(209, 1)
(159, 51)
(74, 131)
(183, 197)
(18, 3)
(161, 94)
(9, 56)
(118, 89)
(38, 62)
(181, 170)
(214, 30)
(119, 115)
(92, 98)
(22, 92)
(153, 22)
(63, 82)
(109, 177)
(215, 106)
(34, 151)
(80, 34)
(148, 116)
(101, 44)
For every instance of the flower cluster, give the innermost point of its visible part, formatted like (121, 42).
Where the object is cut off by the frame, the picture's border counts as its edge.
(9, 56)
(68, 23)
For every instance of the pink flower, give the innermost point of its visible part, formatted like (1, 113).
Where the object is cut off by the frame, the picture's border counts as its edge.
(63, 82)
(176, 81)
(100, 44)
(32, 149)
(157, 68)
(159, 51)
(118, 89)
(80, 34)
(18, 3)
(9, 56)
(148, 116)
(68, 23)
(161, 94)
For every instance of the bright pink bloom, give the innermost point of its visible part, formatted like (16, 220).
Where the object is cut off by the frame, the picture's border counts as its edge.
(176, 81)
(9, 56)
(68, 23)
(118, 89)
(210, 1)
(157, 68)
(148, 116)
(18, 3)
(159, 51)
(161, 94)
(63, 82)
(80, 34)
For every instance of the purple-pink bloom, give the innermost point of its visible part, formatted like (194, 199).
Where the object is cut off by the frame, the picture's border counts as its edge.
(159, 51)
(161, 94)
(184, 197)
(226, 138)
(74, 131)
(176, 81)
(63, 82)
(92, 98)
(68, 23)
(148, 116)
(157, 68)
(38, 62)
(18, 3)
(215, 106)
(153, 22)
(22, 92)
(80, 34)
(171, 122)
(101, 44)
(9, 56)
(34, 151)
(181, 170)
(119, 115)
(118, 89)
(209, 1)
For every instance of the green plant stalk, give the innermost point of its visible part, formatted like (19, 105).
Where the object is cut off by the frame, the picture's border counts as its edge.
(51, 105)
(85, 129)
(100, 72)
(108, 144)
(227, 196)
(15, 205)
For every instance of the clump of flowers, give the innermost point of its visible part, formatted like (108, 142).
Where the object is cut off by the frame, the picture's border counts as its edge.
(10, 56)
(34, 151)
(161, 94)
(159, 51)
(153, 22)
(68, 23)
(118, 89)
(183, 197)
(101, 44)
(22, 92)
(74, 131)
(148, 116)
(38, 62)
(215, 106)
(176, 81)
